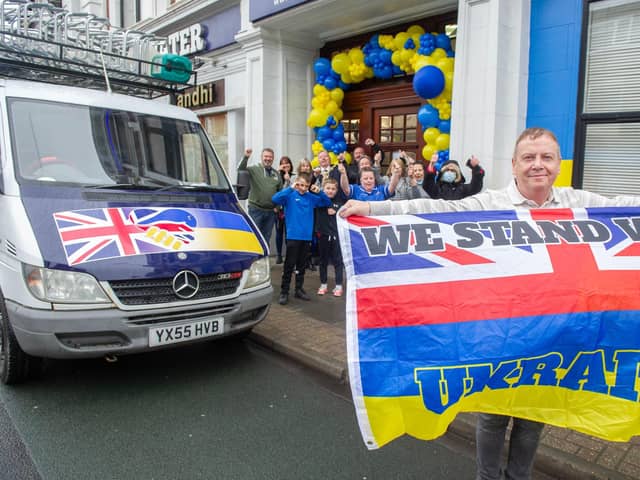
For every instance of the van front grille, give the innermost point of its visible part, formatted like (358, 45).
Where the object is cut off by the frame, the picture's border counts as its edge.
(160, 290)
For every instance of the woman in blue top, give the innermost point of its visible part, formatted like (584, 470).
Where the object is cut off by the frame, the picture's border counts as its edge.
(367, 190)
(298, 206)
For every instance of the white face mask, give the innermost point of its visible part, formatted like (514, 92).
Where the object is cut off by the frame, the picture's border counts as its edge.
(449, 176)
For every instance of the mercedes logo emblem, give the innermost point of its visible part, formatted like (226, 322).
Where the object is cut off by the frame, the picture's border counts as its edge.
(186, 284)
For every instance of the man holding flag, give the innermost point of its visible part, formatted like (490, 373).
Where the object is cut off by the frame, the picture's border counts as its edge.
(535, 167)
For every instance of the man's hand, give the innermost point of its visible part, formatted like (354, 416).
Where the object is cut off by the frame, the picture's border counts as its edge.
(369, 142)
(248, 152)
(342, 169)
(341, 158)
(314, 188)
(355, 207)
(473, 161)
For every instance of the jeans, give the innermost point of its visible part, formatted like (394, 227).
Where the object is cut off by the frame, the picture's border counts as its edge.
(490, 439)
(264, 220)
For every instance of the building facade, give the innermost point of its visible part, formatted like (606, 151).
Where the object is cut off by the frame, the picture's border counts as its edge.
(572, 66)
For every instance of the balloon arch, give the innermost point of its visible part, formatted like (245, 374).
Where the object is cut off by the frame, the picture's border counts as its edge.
(428, 56)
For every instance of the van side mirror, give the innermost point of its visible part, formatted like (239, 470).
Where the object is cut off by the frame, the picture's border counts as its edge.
(242, 186)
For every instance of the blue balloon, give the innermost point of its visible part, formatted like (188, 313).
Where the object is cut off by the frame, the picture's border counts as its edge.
(324, 133)
(330, 83)
(342, 146)
(343, 86)
(328, 144)
(322, 66)
(385, 55)
(443, 41)
(336, 148)
(428, 116)
(428, 82)
(338, 135)
(331, 121)
(444, 126)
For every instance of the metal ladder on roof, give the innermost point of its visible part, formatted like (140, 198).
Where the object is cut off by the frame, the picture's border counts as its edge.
(55, 40)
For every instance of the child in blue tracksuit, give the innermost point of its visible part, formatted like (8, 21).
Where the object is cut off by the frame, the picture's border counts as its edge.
(298, 202)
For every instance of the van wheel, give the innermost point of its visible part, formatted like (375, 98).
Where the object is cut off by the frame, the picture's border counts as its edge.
(14, 363)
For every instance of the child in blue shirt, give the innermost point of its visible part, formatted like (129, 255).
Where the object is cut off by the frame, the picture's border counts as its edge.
(298, 205)
(367, 190)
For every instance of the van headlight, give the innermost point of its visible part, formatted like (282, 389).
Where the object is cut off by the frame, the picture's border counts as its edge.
(61, 286)
(260, 272)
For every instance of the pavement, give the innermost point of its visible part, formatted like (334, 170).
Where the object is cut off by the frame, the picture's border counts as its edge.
(313, 333)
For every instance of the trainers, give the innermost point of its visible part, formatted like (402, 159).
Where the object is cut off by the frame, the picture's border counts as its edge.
(284, 299)
(323, 289)
(301, 294)
(337, 292)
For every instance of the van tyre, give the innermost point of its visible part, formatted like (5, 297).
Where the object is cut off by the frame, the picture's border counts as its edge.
(15, 364)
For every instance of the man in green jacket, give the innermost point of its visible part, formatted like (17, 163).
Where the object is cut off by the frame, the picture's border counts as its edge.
(264, 182)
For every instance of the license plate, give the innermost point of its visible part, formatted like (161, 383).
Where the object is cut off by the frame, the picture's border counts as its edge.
(185, 332)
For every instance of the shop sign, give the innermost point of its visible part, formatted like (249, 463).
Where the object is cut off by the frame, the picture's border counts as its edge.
(189, 40)
(259, 9)
(205, 95)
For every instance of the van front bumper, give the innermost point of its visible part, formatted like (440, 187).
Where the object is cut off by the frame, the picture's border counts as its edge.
(95, 333)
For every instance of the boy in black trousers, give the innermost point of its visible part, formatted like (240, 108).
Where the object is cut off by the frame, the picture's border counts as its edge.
(298, 205)
(327, 233)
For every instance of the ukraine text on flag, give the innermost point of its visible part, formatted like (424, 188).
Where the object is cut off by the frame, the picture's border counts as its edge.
(532, 313)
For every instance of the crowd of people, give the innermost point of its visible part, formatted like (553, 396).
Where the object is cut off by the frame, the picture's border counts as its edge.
(302, 203)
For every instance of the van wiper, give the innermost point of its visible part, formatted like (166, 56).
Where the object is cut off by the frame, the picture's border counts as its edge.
(191, 188)
(120, 186)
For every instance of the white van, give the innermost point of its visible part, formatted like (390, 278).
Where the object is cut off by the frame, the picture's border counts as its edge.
(121, 232)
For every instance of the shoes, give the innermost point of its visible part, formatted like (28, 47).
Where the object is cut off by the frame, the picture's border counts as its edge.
(284, 298)
(301, 294)
(323, 289)
(337, 292)
(278, 259)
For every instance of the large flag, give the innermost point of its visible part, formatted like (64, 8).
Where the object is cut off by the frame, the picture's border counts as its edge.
(529, 313)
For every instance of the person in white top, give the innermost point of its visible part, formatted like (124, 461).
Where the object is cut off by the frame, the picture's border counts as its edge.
(535, 166)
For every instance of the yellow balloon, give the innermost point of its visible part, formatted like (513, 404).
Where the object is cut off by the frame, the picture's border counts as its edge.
(442, 142)
(333, 157)
(346, 77)
(428, 151)
(438, 53)
(400, 39)
(347, 158)
(315, 163)
(430, 135)
(406, 55)
(356, 55)
(317, 118)
(338, 115)
(395, 58)
(415, 29)
(340, 63)
(316, 103)
(422, 61)
(331, 107)
(448, 82)
(337, 94)
(319, 89)
(445, 64)
(316, 147)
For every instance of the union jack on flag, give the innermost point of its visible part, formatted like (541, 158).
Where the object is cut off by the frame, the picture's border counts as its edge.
(101, 233)
(529, 313)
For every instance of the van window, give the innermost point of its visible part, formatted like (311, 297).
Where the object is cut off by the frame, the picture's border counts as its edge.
(57, 142)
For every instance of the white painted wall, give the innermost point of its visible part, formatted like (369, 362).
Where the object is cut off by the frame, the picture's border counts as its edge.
(490, 83)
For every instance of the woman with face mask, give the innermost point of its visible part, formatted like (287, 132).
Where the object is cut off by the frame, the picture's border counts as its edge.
(449, 183)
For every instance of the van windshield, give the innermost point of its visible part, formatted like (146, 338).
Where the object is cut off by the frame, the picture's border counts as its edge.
(58, 142)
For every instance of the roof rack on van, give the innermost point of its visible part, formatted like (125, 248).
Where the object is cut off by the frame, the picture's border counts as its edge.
(41, 42)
